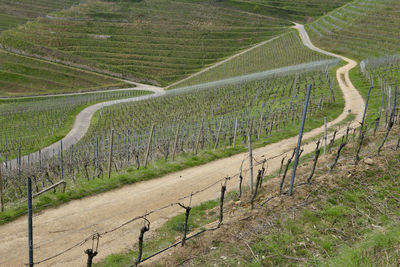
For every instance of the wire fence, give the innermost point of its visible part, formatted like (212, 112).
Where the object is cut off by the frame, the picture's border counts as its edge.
(385, 119)
(259, 161)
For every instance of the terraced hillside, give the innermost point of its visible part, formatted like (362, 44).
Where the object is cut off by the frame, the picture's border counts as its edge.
(295, 10)
(14, 13)
(384, 71)
(286, 50)
(361, 29)
(21, 75)
(30, 124)
(153, 41)
(209, 117)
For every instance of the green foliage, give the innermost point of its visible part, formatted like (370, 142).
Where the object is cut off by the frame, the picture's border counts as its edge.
(274, 101)
(33, 123)
(285, 50)
(166, 234)
(21, 75)
(14, 13)
(360, 29)
(157, 41)
(359, 228)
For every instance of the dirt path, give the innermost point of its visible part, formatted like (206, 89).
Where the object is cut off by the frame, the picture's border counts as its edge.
(79, 93)
(59, 228)
(82, 121)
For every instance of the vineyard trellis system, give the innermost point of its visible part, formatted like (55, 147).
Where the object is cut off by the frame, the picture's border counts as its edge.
(237, 122)
(26, 123)
(180, 122)
(262, 164)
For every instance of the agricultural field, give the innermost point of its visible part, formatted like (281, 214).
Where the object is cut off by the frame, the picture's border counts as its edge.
(326, 223)
(285, 50)
(236, 78)
(21, 76)
(14, 13)
(269, 104)
(384, 71)
(186, 122)
(383, 74)
(360, 29)
(29, 124)
(146, 40)
(293, 10)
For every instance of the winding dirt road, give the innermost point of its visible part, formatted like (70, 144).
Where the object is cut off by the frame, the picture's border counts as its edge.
(82, 121)
(59, 228)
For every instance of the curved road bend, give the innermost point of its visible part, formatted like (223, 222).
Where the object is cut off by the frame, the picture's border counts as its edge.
(82, 120)
(58, 228)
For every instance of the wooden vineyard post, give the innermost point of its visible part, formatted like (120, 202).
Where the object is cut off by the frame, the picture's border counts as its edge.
(260, 124)
(380, 113)
(19, 164)
(218, 133)
(146, 158)
(111, 153)
(325, 136)
(198, 137)
(30, 226)
(40, 159)
(250, 157)
(61, 160)
(176, 139)
(1, 192)
(235, 132)
(97, 154)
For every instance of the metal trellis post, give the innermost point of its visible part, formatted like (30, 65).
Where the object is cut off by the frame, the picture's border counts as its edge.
(30, 231)
(303, 120)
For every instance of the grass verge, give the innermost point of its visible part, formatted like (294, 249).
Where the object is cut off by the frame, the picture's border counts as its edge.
(348, 217)
(84, 188)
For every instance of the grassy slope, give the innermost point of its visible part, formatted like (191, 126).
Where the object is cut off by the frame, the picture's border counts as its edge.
(34, 123)
(24, 76)
(21, 75)
(345, 218)
(14, 13)
(207, 106)
(359, 30)
(294, 10)
(356, 223)
(162, 41)
(147, 39)
(286, 50)
(85, 188)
